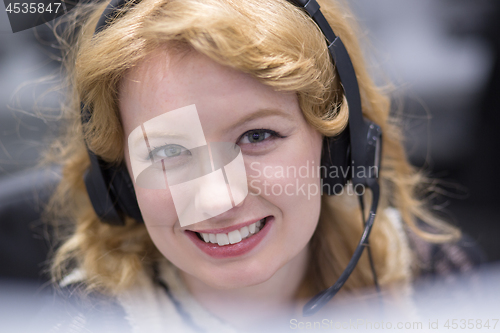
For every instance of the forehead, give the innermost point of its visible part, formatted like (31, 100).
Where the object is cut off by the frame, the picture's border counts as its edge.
(166, 81)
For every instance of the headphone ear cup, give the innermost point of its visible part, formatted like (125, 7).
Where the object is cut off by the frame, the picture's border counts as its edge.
(123, 189)
(96, 181)
(335, 157)
(111, 192)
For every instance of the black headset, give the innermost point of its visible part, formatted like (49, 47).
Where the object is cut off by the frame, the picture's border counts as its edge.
(357, 148)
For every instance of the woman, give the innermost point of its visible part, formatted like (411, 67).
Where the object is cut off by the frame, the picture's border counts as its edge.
(251, 73)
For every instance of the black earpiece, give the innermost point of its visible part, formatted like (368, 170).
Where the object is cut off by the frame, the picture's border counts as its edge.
(110, 188)
(356, 152)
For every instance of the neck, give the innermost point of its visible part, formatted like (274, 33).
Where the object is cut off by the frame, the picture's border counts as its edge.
(257, 304)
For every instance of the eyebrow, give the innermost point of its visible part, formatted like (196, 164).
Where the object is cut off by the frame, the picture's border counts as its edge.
(260, 113)
(151, 135)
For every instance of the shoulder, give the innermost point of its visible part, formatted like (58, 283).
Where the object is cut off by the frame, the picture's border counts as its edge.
(69, 308)
(142, 307)
(442, 259)
(430, 259)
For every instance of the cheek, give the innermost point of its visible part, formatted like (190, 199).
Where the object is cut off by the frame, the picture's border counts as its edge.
(160, 218)
(291, 182)
(157, 207)
(292, 171)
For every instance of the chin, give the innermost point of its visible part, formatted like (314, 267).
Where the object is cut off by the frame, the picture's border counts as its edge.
(240, 275)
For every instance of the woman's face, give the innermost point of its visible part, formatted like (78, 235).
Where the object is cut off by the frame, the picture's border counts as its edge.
(280, 152)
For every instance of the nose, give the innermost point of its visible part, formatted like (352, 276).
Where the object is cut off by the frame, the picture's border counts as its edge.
(213, 196)
(217, 185)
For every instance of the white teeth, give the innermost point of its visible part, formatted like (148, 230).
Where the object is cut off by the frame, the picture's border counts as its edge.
(222, 239)
(206, 237)
(244, 232)
(234, 236)
(213, 238)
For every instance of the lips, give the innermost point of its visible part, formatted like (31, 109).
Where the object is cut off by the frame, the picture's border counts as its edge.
(233, 237)
(230, 242)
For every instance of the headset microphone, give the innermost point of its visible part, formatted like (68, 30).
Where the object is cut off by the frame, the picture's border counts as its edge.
(357, 148)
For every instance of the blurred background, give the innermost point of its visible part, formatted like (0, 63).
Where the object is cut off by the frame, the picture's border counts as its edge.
(441, 55)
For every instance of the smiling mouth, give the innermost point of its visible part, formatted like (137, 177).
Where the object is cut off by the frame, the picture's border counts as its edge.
(234, 236)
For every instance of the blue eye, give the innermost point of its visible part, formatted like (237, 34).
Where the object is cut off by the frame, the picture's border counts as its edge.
(169, 151)
(257, 136)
